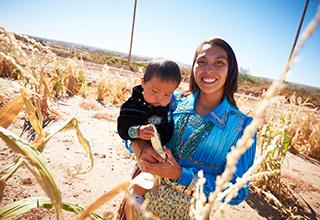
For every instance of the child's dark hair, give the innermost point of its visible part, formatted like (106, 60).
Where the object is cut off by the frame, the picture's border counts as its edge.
(165, 70)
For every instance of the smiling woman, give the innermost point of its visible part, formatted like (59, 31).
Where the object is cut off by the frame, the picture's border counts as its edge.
(210, 74)
(218, 61)
(207, 123)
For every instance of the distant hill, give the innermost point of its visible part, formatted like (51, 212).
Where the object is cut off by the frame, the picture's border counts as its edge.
(249, 84)
(257, 85)
(75, 46)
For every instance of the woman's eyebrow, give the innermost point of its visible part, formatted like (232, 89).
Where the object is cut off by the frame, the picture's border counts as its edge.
(221, 57)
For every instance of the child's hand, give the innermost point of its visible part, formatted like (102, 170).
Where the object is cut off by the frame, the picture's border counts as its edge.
(146, 132)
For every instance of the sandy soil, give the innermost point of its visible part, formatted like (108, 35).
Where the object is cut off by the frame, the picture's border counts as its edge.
(112, 164)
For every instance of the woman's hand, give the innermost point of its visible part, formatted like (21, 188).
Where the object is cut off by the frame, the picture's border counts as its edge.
(168, 168)
(144, 151)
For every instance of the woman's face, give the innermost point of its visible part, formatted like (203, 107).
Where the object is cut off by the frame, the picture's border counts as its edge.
(211, 69)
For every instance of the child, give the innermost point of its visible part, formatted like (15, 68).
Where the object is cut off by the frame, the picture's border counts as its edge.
(149, 104)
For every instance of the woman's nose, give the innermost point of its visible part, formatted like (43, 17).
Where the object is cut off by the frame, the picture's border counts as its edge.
(209, 68)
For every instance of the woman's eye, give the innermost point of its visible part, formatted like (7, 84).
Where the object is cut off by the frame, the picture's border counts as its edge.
(154, 91)
(219, 62)
(201, 62)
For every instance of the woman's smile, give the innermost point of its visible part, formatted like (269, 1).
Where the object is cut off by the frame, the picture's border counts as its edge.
(209, 80)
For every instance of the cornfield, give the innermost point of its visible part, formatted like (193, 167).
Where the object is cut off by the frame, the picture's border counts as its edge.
(284, 124)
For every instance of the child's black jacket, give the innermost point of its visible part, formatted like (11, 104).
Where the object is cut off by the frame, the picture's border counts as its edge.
(135, 111)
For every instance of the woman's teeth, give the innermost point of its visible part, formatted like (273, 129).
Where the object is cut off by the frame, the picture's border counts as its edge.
(209, 80)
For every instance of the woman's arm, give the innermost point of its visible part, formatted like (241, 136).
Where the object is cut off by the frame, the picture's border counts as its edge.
(185, 176)
(243, 164)
(188, 175)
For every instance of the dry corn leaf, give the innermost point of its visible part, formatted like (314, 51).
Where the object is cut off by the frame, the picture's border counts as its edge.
(69, 124)
(37, 103)
(103, 199)
(2, 186)
(32, 115)
(72, 86)
(85, 144)
(44, 83)
(145, 180)
(9, 112)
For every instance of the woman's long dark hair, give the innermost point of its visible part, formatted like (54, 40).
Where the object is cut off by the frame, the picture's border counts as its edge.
(231, 84)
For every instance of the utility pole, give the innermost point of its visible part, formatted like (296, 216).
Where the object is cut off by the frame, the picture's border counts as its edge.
(299, 28)
(132, 30)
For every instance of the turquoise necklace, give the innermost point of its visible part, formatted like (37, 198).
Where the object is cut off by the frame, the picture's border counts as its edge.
(202, 129)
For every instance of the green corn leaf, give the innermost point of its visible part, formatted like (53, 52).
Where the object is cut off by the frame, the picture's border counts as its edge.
(36, 164)
(20, 207)
(9, 170)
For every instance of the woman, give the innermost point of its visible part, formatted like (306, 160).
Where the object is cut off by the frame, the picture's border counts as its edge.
(207, 123)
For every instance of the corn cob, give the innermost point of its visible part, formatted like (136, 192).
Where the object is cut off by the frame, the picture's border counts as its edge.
(156, 143)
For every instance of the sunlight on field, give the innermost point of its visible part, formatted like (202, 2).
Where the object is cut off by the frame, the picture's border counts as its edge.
(288, 124)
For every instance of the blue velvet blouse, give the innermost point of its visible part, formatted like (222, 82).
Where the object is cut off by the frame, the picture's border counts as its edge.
(202, 142)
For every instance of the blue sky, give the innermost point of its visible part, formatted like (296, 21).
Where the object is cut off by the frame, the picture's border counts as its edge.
(261, 32)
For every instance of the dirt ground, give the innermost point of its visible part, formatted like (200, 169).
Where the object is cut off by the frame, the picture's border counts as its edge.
(112, 163)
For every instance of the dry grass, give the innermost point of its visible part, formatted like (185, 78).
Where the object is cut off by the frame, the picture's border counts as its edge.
(114, 91)
(303, 122)
(304, 129)
(33, 64)
(302, 119)
(87, 105)
(105, 116)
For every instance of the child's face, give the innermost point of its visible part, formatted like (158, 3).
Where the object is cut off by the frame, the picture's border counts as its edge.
(157, 92)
